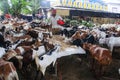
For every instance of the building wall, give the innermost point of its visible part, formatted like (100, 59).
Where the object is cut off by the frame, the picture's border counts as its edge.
(105, 20)
(63, 12)
(114, 8)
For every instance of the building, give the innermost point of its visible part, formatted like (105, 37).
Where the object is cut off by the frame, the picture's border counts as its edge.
(98, 10)
(114, 7)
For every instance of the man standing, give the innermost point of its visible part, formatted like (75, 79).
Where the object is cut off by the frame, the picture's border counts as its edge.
(55, 21)
(7, 16)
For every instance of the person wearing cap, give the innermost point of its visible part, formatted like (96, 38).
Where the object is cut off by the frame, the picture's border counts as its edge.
(7, 16)
(53, 21)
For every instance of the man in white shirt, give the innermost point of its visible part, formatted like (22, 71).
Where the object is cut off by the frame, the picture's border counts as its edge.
(53, 21)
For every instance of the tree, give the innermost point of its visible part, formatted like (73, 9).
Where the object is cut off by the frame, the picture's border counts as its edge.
(35, 5)
(4, 6)
(17, 7)
(20, 6)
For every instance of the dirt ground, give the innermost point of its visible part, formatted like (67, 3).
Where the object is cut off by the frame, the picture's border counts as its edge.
(74, 67)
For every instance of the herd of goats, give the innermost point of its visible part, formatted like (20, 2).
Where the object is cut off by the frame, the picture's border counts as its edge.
(23, 42)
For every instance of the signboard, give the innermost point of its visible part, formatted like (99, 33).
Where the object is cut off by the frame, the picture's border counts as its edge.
(64, 12)
(86, 4)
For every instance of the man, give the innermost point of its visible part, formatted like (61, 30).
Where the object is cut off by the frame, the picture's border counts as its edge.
(7, 16)
(53, 21)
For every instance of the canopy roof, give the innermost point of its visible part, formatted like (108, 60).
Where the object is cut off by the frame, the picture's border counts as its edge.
(89, 12)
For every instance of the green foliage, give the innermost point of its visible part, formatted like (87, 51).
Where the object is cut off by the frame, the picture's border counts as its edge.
(26, 10)
(67, 21)
(78, 22)
(34, 5)
(4, 6)
(74, 23)
(18, 6)
(84, 22)
(89, 24)
(1, 4)
(81, 22)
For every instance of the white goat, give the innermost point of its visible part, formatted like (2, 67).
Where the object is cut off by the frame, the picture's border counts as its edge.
(111, 42)
(52, 56)
(2, 51)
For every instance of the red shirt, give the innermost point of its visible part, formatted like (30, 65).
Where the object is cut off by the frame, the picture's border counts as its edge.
(7, 16)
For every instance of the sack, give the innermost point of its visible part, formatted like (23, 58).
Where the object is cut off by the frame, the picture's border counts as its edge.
(60, 22)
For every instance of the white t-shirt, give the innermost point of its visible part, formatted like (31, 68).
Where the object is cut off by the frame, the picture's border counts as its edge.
(53, 21)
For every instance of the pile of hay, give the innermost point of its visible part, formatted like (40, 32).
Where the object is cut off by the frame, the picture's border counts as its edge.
(57, 39)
